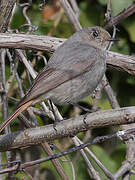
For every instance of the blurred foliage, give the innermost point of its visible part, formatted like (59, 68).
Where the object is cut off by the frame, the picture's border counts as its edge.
(111, 154)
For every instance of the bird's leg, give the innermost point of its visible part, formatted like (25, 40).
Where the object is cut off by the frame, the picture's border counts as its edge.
(84, 119)
(84, 109)
(56, 120)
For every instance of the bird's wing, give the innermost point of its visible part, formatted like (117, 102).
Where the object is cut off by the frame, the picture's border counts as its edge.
(80, 59)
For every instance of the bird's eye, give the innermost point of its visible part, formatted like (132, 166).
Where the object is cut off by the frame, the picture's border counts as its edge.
(95, 34)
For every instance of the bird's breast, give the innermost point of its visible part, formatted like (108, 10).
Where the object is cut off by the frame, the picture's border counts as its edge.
(76, 89)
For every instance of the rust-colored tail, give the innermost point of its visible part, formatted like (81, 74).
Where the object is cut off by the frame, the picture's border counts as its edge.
(14, 114)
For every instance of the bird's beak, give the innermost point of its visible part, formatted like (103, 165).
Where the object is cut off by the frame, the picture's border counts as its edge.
(113, 39)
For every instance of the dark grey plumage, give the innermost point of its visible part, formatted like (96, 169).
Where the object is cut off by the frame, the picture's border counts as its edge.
(73, 71)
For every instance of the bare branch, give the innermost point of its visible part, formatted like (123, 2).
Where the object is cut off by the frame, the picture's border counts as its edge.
(111, 96)
(26, 41)
(121, 62)
(122, 15)
(108, 11)
(50, 44)
(93, 172)
(67, 128)
(73, 18)
(75, 7)
(108, 173)
(82, 146)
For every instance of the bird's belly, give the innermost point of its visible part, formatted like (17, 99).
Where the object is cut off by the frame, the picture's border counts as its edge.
(74, 90)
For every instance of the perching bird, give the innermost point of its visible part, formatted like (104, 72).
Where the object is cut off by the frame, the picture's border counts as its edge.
(73, 71)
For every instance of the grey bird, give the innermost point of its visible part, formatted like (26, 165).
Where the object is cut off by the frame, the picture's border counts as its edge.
(73, 71)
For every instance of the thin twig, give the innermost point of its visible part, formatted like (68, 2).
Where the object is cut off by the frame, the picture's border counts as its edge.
(73, 19)
(76, 148)
(111, 95)
(12, 70)
(122, 15)
(93, 172)
(56, 163)
(75, 7)
(107, 173)
(108, 11)
(4, 98)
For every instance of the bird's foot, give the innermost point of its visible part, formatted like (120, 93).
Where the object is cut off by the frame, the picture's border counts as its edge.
(84, 119)
(83, 108)
(56, 122)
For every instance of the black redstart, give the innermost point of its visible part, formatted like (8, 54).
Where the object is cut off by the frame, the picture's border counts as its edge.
(73, 71)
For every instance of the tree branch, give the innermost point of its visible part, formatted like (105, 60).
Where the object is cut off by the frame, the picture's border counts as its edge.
(26, 41)
(121, 62)
(50, 44)
(122, 15)
(72, 17)
(66, 128)
(76, 148)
